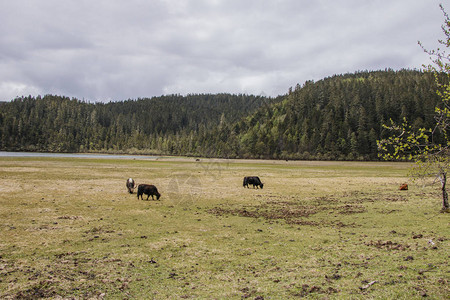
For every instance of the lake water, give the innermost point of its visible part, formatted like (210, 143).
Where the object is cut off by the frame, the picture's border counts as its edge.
(74, 155)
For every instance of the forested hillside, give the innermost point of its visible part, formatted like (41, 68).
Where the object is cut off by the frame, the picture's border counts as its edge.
(339, 117)
(59, 124)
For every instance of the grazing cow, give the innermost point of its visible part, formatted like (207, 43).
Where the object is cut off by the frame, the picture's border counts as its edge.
(149, 190)
(253, 180)
(404, 187)
(131, 185)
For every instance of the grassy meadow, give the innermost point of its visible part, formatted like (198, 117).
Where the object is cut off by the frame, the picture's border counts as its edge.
(322, 230)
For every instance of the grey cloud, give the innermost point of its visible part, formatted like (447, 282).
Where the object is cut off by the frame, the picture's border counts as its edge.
(114, 50)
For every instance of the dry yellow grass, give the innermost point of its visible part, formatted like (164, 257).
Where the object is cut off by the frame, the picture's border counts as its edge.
(317, 229)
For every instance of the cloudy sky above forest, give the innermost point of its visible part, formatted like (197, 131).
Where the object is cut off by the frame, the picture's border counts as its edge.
(109, 50)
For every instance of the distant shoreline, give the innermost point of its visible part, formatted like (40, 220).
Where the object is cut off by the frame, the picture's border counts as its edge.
(204, 160)
(74, 155)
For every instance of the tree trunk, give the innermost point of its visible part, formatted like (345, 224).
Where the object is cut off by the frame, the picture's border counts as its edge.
(443, 179)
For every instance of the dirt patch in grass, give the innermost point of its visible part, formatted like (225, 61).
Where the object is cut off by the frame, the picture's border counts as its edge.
(367, 197)
(72, 274)
(351, 209)
(388, 245)
(396, 199)
(41, 290)
(306, 290)
(292, 212)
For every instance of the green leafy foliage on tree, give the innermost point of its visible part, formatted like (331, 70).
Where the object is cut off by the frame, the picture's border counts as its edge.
(428, 146)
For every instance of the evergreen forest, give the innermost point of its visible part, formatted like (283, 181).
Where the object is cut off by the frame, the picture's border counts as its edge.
(337, 118)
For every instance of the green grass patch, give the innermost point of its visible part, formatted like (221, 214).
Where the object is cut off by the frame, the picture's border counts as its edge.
(318, 229)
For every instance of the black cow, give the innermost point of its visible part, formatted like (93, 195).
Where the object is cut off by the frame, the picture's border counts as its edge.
(149, 190)
(253, 180)
(131, 185)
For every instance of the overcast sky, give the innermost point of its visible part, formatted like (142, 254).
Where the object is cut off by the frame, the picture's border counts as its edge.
(109, 50)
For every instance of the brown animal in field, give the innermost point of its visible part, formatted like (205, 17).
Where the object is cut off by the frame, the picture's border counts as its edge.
(404, 187)
(131, 185)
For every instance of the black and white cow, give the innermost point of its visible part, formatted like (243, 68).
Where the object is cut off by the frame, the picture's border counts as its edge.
(149, 190)
(253, 180)
(131, 185)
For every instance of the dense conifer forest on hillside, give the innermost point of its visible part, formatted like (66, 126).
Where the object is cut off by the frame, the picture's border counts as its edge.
(337, 118)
